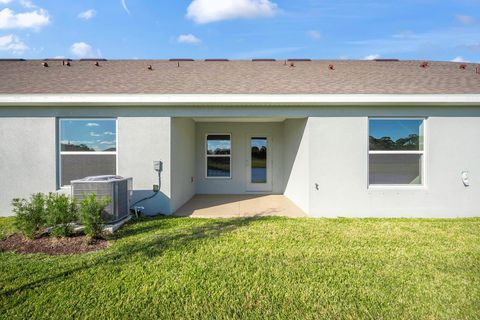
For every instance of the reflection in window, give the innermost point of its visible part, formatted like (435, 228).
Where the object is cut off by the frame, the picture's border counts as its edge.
(258, 147)
(395, 168)
(396, 134)
(218, 156)
(87, 147)
(396, 151)
(88, 135)
(218, 144)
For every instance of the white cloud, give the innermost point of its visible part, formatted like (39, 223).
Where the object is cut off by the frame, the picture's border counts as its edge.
(92, 124)
(188, 38)
(372, 57)
(464, 19)
(459, 59)
(108, 142)
(81, 50)
(314, 34)
(206, 11)
(12, 44)
(87, 15)
(26, 20)
(124, 5)
(27, 4)
(76, 142)
(5, 1)
(93, 134)
(109, 133)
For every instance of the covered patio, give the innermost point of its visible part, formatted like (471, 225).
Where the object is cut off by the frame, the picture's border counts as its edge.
(231, 206)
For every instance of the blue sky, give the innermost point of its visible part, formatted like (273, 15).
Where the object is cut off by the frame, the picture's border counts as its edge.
(241, 29)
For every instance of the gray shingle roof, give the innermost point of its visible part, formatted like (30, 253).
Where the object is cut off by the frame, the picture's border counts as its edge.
(242, 77)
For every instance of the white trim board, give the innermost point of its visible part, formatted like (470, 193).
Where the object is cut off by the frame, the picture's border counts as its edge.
(236, 99)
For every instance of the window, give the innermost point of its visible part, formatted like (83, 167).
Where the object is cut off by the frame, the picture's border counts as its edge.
(396, 151)
(258, 153)
(218, 156)
(88, 147)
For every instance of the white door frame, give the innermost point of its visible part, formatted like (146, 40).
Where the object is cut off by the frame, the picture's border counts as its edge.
(259, 187)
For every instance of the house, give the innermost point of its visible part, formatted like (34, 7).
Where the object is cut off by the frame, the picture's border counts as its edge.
(382, 138)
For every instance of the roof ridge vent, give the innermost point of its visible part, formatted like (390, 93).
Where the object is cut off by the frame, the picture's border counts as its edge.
(263, 60)
(12, 59)
(386, 60)
(93, 59)
(57, 59)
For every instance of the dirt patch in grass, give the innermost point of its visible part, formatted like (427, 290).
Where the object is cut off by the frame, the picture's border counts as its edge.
(51, 245)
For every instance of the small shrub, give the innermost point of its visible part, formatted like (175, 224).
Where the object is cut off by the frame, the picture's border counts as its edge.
(61, 213)
(91, 215)
(30, 214)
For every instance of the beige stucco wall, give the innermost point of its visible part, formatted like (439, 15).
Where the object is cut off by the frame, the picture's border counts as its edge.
(141, 141)
(27, 158)
(296, 153)
(331, 152)
(339, 160)
(182, 161)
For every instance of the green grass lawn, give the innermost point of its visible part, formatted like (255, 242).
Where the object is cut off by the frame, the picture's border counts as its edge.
(256, 268)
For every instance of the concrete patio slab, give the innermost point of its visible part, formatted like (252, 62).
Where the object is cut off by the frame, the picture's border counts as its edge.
(231, 206)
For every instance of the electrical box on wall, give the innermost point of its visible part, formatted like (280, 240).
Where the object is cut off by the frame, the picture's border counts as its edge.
(158, 166)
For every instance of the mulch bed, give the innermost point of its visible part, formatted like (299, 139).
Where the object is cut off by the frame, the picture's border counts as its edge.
(51, 245)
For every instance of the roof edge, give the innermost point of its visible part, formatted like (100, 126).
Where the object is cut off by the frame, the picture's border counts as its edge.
(235, 99)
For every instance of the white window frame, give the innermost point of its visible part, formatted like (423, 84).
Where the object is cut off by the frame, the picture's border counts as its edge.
(423, 152)
(217, 155)
(60, 152)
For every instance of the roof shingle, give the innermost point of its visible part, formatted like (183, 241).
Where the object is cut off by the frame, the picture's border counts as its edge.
(238, 77)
